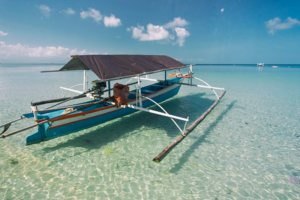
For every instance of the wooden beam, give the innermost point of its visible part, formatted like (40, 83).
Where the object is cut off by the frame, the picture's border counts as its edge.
(52, 101)
(167, 150)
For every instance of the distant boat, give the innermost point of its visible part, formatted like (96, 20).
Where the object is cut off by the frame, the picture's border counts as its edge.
(260, 64)
(274, 66)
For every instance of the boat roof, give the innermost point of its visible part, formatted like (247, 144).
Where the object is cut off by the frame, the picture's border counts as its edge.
(108, 67)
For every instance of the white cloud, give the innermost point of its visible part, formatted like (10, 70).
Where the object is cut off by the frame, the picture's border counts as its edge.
(112, 21)
(20, 50)
(3, 34)
(176, 22)
(156, 32)
(95, 14)
(45, 10)
(76, 52)
(153, 33)
(181, 34)
(275, 24)
(69, 11)
(222, 10)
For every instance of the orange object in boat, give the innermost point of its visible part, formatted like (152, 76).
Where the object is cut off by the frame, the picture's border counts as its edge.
(180, 75)
(121, 93)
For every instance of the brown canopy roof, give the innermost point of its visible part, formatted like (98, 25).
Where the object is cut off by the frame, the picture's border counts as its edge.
(108, 67)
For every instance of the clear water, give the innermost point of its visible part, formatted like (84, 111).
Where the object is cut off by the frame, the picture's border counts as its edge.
(247, 148)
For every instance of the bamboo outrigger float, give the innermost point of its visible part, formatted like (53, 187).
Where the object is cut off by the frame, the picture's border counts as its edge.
(56, 121)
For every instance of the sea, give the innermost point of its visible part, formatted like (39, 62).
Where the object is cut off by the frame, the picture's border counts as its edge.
(248, 147)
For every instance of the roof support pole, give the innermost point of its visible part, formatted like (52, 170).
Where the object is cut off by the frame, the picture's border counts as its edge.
(191, 75)
(165, 77)
(108, 82)
(84, 81)
(140, 92)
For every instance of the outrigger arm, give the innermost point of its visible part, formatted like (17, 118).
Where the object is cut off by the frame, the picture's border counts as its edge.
(188, 84)
(7, 125)
(185, 132)
(84, 84)
(152, 111)
(166, 114)
(139, 97)
(165, 152)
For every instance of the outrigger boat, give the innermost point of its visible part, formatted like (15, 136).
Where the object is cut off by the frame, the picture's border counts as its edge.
(56, 121)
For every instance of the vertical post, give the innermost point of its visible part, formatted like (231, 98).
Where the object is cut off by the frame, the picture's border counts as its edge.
(84, 82)
(136, 95)
(165, 77)
(191, 74)
(108, 82)
(140, 92)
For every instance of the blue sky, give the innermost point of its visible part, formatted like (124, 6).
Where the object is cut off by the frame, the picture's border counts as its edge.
(208, 32)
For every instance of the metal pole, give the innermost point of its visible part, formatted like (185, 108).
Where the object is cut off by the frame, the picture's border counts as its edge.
(108, 88)
(84, 82)
(165, 78)
(140, 92)
(157, 112)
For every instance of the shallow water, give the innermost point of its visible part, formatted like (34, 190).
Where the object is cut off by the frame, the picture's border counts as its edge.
(247, 147)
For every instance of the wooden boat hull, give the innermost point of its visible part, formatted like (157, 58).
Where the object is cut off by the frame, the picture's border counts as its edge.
(96, 114)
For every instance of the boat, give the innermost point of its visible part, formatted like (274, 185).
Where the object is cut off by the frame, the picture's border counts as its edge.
(260, 64)
(53, 121)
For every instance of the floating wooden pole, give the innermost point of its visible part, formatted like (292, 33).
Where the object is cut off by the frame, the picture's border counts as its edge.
(165, 152)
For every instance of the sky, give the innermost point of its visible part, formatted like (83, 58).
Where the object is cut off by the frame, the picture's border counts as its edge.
(191, 31)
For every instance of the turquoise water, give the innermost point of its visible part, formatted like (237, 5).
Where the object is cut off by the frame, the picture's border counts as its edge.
(247, 148)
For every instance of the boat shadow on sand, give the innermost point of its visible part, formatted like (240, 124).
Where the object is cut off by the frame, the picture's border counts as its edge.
(140, 121)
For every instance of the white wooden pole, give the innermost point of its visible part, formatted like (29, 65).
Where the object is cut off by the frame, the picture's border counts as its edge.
(153, 112)
(140, 92)
(202, 86)
(72, 90)
(157, 113)
(84, 82)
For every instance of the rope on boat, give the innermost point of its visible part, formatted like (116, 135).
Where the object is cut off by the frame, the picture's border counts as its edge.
(167, 150)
